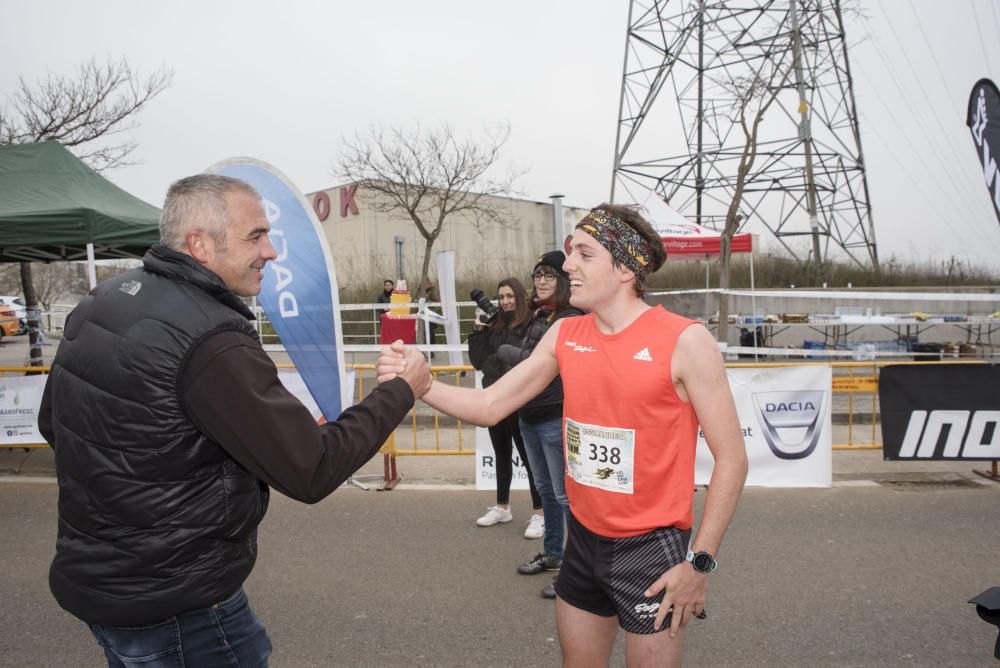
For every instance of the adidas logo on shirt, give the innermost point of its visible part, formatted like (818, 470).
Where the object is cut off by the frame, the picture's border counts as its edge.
(643, 355)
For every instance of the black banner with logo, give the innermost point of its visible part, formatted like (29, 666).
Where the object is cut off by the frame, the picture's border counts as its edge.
(983, 120)
(940, 411)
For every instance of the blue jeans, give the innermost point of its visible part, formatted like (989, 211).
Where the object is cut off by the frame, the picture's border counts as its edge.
(226, 634)
(543, 443)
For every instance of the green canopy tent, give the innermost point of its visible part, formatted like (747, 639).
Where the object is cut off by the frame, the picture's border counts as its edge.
(54, 207)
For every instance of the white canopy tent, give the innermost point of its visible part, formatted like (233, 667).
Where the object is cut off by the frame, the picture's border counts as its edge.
(684, 240)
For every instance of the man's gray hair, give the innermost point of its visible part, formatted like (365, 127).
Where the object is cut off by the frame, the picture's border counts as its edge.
(198, 202)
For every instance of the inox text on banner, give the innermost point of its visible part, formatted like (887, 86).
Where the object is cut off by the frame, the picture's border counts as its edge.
(940, 411)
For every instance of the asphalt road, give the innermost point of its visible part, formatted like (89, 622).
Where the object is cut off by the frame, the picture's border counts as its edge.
(851, 576)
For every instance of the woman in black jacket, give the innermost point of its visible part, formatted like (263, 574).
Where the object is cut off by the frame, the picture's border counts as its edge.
(541, 418)
(508, 327)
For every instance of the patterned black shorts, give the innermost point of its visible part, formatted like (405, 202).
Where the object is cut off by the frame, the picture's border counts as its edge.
(607, 576)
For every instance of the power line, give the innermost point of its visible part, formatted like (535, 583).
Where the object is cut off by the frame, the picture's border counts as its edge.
(947, 159)
(983, 239)
(996, 16)
(966, 186)
(979, 31)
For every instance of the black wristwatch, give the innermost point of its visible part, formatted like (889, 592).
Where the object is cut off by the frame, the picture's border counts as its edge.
(703, 562)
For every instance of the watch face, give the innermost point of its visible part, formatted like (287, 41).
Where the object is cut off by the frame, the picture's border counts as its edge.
(703, 562)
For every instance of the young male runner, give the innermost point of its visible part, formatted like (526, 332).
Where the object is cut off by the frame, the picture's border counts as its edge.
(638, 382)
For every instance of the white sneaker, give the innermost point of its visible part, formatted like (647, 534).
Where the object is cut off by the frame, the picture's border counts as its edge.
(536, 527)
(495, 515)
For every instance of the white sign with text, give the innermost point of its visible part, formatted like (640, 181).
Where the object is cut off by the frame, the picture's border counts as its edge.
(486, 468)
(20, 398)
(785, 417)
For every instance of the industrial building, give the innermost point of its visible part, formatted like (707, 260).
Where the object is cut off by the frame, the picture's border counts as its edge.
(370, 244)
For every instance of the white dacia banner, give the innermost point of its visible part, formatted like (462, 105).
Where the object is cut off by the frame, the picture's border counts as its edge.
(486, 468)
(20, 398)
(784, 413)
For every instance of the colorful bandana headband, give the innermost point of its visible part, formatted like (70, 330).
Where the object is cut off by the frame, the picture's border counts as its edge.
(626, 246)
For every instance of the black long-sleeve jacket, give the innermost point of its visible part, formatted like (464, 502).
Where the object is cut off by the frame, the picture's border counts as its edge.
(483, 346)
(547, 405)
(168, 424)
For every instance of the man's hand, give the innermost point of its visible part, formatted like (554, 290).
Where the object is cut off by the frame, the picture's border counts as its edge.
(390, 361)
(407, 363)
(417, 373)
(685, 591)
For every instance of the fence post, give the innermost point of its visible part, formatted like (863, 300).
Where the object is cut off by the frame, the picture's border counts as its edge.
(390, 476)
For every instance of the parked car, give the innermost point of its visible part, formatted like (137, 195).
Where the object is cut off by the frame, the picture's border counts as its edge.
(17, 305)
(10, 324)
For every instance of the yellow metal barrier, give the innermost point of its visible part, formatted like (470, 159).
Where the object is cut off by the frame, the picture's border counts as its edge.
(853, 379)
(421, 440)
(857, 380)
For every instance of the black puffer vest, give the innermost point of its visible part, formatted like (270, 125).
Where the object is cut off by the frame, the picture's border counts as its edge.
(154, 518)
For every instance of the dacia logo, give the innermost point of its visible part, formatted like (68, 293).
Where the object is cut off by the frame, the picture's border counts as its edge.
(131, 287)
(790, 412)
(971, 434)
(792, 406)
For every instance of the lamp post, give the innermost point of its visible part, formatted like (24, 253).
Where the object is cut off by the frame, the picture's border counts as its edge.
(399, 255)
(557, 221)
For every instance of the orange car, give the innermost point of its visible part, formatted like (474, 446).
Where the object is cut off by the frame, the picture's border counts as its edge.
(9, 323)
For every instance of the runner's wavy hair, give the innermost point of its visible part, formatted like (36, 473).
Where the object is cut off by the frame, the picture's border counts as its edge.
(522, 312)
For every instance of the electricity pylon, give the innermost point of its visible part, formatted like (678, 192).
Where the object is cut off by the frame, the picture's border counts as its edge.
(688, 64)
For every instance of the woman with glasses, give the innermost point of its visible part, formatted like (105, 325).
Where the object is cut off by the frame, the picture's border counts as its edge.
(541, 418)
(509, 326)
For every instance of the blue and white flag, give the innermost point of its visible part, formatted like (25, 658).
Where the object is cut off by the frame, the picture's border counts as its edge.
(299, 290)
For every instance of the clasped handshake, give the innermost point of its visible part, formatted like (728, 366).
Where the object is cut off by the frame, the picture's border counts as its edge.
(396, 360)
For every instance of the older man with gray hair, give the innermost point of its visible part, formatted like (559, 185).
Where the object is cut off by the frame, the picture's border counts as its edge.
(169, 425)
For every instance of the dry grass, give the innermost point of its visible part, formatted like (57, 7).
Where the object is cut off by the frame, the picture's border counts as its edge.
(777, 272)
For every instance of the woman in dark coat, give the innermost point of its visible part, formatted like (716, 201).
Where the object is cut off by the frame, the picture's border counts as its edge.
(541, 418)
(509, 326)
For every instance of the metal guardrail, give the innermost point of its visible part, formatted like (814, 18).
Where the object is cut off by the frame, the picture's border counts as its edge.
(856, 382)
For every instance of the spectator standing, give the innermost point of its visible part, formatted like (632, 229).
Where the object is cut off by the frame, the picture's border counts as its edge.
(508, 326)
(385, 297)
(541, 418)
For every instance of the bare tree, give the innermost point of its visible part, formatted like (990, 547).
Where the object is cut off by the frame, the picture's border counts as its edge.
(57, 280)
(10, 278)
(752, 95)
(430, 176)
(99, 102)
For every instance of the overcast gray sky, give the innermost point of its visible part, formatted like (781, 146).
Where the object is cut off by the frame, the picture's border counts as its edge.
(284, 82)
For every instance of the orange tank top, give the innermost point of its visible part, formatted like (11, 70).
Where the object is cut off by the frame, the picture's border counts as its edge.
(628, 438)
